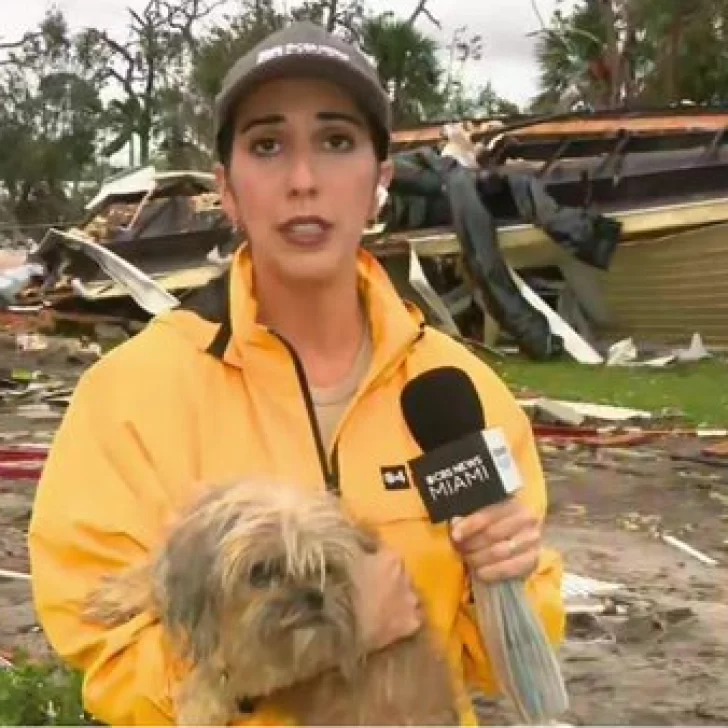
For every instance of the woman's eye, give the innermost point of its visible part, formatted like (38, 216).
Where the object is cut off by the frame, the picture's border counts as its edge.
(265, 147)
(339, 142)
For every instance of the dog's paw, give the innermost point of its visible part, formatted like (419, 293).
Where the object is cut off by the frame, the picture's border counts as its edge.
(111, 603)
(101, 610)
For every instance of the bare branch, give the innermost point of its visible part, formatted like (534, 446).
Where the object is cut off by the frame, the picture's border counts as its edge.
(190, 13)
(421, 9)
(116, 47)
(29, 36)
(126, 81)
(145, 18)
(432, 18)
(537, 12)
(333, 17)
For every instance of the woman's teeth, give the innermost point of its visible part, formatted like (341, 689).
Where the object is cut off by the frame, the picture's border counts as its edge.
(307, 228)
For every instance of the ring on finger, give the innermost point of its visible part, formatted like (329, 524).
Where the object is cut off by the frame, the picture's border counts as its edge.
(512, 546)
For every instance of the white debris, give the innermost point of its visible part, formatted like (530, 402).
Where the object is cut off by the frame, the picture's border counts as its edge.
(686, 548)
(589, 410)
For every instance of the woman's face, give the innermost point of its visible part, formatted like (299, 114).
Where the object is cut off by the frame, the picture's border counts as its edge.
(302, 179)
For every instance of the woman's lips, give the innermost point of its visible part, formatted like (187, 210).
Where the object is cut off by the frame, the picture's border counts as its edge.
(306, 232)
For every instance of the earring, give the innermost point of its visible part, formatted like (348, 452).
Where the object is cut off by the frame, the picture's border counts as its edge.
(382, 197)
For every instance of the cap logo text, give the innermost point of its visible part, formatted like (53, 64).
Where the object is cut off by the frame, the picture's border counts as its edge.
(288, 49)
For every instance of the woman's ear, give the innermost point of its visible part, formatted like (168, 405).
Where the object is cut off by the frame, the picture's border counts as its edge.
(386, 173)
(227, 197)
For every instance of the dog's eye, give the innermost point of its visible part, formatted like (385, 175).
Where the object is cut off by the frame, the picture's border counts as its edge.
(332, 570)
(261, 575)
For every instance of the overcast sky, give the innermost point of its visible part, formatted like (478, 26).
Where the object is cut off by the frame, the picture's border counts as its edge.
(508, 57)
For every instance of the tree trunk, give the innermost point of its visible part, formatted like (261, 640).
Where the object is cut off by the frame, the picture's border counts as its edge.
(145, 141)
(613, 54)
(673, 40)
(331, 20)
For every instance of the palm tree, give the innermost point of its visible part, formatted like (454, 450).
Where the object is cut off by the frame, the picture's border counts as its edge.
(408, 67)
(571, 58)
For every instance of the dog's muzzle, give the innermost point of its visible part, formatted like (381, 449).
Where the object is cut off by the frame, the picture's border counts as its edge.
(311, 600)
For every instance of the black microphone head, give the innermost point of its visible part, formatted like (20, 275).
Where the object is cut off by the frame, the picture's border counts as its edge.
(440, 406)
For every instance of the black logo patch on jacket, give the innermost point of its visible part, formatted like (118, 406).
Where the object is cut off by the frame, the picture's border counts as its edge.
(395, 477)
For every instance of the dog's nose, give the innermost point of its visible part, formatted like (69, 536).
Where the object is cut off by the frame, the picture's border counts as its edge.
(312, 598)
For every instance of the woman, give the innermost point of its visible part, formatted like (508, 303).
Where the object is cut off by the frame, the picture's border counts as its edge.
(290, 365)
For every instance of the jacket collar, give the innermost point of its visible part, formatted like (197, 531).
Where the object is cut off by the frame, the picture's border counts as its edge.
(220, 318)
(395, 324)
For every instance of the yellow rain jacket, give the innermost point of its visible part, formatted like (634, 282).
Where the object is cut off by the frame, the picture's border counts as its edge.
(205, 395)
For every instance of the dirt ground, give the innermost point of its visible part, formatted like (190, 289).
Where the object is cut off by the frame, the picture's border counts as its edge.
(665, 662)
(662, 660)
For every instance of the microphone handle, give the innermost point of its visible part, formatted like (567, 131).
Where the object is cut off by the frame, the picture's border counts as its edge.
(519, 650)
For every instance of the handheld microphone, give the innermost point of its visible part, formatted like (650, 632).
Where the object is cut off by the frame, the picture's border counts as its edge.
(465, 467)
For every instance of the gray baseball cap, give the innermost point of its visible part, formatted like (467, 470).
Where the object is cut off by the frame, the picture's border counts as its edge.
(306, 49)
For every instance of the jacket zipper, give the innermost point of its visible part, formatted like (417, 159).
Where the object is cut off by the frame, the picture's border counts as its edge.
(330, 474)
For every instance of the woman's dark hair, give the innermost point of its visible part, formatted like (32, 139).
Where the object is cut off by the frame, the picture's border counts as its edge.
(224, 144)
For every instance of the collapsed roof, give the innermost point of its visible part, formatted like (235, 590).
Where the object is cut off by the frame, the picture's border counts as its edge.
(652, 173)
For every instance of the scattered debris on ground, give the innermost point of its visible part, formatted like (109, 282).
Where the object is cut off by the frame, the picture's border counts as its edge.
(639, 508)
(652, 648)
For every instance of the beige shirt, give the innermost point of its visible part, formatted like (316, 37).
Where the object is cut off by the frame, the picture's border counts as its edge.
(330, 402)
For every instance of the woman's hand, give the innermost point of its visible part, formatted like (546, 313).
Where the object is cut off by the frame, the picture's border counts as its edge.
(389, 609)
(499, 542)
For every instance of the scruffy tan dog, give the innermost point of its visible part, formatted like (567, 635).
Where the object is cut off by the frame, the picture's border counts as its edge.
(255, 588)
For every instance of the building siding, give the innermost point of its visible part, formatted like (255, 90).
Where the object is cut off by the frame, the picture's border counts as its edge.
(666, 289)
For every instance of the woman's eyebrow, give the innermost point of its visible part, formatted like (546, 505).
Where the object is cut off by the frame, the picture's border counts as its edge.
(262, 121)
(321, 115)
(340, 116)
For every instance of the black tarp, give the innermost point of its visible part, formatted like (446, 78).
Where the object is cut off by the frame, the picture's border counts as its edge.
(433, 191)
(418, 201)
(589, 236)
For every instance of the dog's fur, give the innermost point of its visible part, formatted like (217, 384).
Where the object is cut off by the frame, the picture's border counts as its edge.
(255, 588)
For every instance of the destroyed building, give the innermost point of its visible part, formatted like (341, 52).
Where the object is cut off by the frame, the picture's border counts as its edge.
(556, 233)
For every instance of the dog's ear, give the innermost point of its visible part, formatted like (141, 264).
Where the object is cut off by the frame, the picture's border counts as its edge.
(189, 592)
(188, 581)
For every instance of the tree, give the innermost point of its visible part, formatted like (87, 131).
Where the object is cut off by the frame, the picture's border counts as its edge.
(408, 67)
(160, 73)
(191, 103)
(612, 53)
(478, 103)
(50, 111)
(344, 17)
(146, 67)
(230, 39)
(687, 48)
(405, 58)
(571, 57)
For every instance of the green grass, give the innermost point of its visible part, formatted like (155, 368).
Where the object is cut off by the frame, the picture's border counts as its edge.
(41, 693)
(697, 390)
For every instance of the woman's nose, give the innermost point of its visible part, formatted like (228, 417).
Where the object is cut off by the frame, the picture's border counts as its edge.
(302, 176)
